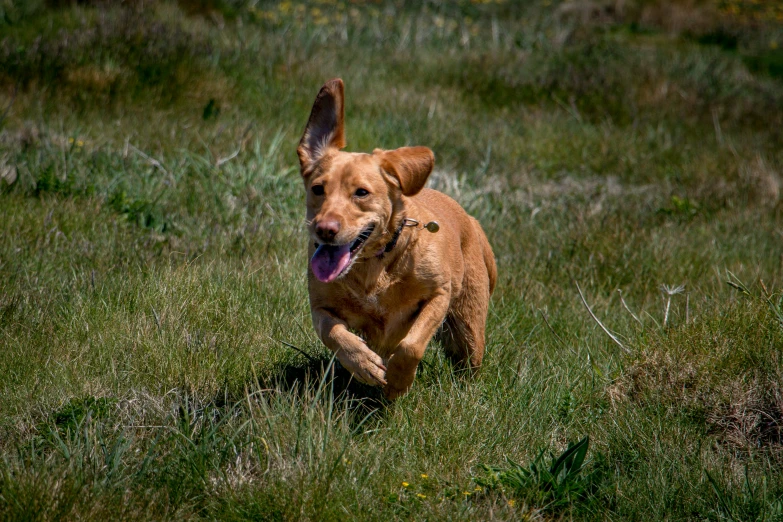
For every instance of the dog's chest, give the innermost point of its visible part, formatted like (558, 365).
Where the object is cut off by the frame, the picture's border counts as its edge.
(382, 307)
(375, 297)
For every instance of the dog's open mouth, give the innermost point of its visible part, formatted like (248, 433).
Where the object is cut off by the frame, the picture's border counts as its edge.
(331, 261)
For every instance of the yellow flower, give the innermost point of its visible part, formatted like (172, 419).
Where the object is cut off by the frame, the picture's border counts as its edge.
(477, 488)
(511, 503)
(424, 476)
(420, 495)
(405, 484)
(79, 143)
(466, 493)
(70, 140)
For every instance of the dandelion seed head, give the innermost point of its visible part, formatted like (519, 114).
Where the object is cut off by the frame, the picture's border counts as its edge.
(672, 290)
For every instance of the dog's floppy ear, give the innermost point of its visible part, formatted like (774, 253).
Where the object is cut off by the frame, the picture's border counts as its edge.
(325, 128)
(410, 165)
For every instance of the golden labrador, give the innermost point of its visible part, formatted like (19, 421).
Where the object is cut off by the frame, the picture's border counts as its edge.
(391, 262)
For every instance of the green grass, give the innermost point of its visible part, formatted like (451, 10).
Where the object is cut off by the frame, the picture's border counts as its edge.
(156, 351)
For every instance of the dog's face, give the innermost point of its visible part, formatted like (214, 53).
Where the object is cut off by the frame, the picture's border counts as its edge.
(353, 200)
(349, 210)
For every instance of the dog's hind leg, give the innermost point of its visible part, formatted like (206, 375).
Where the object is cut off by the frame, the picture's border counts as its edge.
(463, 331)
(462, 335)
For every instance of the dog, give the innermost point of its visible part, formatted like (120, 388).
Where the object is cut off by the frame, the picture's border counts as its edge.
(392, 263)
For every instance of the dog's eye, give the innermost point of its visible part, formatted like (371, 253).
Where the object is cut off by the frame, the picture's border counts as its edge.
(317, 190)
(360, 193)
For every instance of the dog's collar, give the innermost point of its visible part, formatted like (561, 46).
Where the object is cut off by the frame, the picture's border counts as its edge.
(432, 227)
(391, 244)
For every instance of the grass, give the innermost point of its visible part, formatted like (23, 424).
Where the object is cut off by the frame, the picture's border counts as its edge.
(156, 349)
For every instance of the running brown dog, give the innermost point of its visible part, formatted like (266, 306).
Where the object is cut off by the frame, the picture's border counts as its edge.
(391, 262)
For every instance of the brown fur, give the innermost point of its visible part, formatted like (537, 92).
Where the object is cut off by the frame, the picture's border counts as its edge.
(379, 315)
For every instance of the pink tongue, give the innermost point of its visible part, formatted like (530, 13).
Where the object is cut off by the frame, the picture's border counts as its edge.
(328, 262)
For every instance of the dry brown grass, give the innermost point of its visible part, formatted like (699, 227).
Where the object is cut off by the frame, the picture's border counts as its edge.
(719, 386)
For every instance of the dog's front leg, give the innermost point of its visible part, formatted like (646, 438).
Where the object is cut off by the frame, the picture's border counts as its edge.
(366, 365)
(405, 359)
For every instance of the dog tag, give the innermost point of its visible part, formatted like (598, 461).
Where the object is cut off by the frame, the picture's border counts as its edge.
(432, 226)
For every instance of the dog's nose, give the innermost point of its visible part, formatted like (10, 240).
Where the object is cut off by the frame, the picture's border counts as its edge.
(327, 229)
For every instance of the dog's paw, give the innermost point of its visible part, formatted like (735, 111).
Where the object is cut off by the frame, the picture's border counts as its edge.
(366, 367)
(398, 383)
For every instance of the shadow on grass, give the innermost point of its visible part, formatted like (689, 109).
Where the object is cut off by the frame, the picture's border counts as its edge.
(311, 376)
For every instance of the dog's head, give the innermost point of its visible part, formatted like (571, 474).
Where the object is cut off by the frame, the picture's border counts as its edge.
(354, 200)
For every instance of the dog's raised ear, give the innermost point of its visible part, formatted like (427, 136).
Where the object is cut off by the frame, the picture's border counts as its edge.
(410, 165)
(325, 128)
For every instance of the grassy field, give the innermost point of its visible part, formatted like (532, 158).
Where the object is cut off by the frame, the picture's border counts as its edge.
(157, 359)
